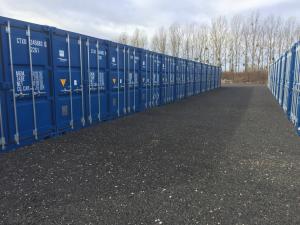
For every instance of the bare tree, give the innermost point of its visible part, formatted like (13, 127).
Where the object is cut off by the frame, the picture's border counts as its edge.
(201, 42)
(139, 38)
(231, 54)
(187, 46)
(270, 23)
(193, 40)
(175, 39)
(160, 40)
(248, 42)
(154, 43)
(123, 38)
(290, 32)
(225, 52)
(254, 26)
(218, 31)
(297, 32)
(261, 48)
(236, 33)
(279, 42)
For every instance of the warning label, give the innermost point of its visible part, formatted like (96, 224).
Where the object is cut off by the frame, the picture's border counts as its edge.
(63, 82)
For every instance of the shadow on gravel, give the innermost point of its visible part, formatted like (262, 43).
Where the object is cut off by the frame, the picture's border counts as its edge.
(123, 171)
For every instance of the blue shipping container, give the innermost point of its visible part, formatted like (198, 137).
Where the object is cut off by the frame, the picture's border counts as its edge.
(53, 81)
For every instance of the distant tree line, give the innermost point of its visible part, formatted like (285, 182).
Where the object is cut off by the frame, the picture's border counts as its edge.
(239, 44)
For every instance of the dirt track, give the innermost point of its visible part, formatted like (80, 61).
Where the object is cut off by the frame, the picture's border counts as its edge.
(225, 157)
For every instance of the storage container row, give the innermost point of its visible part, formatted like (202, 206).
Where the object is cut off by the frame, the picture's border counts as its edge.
(53, 81)
(284, 83)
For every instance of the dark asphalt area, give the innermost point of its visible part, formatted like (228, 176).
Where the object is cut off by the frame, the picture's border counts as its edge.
(225, 157)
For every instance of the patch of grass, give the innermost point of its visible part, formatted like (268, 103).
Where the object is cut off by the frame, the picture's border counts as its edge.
(255, 77)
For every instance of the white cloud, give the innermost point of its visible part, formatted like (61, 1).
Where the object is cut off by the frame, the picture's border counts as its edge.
(107, 18)
(240, 5)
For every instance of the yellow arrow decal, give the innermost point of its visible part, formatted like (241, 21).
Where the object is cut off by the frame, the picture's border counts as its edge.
(63, 82)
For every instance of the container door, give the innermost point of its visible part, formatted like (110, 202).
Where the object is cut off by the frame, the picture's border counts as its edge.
(4, 87)
(129, 80)
(213, 78)
(217, 77)
(195, 79)
(203, 77)
(27, 70)
(187, 79)
(177, 81)
(117, 79)
(169, 80)
(136, 81)
(282, 80)
(96, 95)
(145, 80)
(289, 82)
(148, 79)
(151, 74)
(191, 79)
(143, 103)
(199, 78)
(183, 79)
(172, 80)
(156, 80)
(132, 82)
(68, 81)
(296, 90)
(208, 77)
(164, 80)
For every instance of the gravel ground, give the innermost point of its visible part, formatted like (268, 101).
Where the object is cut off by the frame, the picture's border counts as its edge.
(225, 157)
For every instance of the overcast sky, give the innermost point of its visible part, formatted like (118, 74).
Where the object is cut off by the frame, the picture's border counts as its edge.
(107, 18)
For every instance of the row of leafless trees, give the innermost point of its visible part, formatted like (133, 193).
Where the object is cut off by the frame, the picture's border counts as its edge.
(241, 43)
